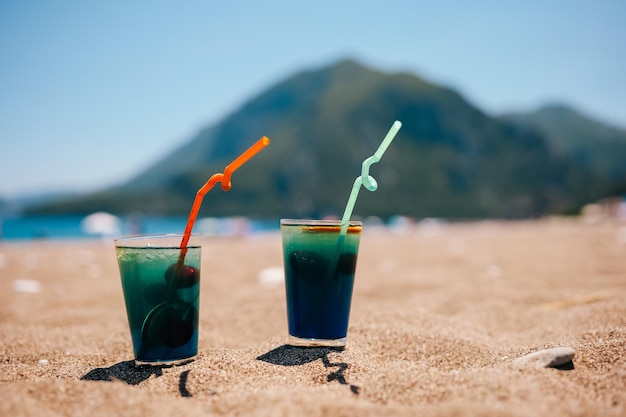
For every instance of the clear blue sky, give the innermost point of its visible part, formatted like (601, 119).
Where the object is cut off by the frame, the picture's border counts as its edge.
(93, 92)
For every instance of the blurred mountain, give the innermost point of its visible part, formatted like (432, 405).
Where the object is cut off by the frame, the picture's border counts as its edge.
(450, 159)
(585, 142)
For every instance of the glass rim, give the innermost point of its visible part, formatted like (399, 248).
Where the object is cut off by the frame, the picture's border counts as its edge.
(143, 240)
(318, 222)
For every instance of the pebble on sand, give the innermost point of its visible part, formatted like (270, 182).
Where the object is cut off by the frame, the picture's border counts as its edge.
(547, 358)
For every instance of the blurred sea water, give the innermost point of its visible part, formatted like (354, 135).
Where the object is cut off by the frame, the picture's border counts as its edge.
(73, 227)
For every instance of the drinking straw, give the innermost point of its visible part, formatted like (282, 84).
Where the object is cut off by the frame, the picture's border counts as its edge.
(226, 185)
(365, 178)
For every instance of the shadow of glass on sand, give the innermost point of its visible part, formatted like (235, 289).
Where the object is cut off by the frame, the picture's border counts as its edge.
(123, 371)
(294, 356)
(131, 374)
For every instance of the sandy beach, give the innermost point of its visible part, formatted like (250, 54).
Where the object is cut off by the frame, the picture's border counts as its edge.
(440, 312)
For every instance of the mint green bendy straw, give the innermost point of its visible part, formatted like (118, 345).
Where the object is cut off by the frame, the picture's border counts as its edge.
(365, 178)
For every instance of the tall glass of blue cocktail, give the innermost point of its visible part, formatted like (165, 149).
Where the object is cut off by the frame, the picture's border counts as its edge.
(319, 262)
(161, 295)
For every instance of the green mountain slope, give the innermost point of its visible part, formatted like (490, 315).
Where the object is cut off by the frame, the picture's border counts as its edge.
(586, 142)
(449, 160)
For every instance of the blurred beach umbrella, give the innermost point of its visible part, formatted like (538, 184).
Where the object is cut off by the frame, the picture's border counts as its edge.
(101, 223)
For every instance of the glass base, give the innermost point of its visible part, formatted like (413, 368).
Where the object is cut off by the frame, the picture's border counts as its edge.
(338, 344)
(164, 363)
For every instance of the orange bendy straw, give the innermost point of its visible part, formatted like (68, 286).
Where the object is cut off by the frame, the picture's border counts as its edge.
(226, 185)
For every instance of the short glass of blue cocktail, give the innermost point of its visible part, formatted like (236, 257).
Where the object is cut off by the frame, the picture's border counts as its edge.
(319, 262)
(161, 292)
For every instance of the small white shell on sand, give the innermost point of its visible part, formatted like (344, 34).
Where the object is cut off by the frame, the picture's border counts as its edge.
(29, 286)
(272, 276)
(547, 358)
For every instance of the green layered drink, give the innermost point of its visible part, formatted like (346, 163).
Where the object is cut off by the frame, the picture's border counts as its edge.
(161, 292)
